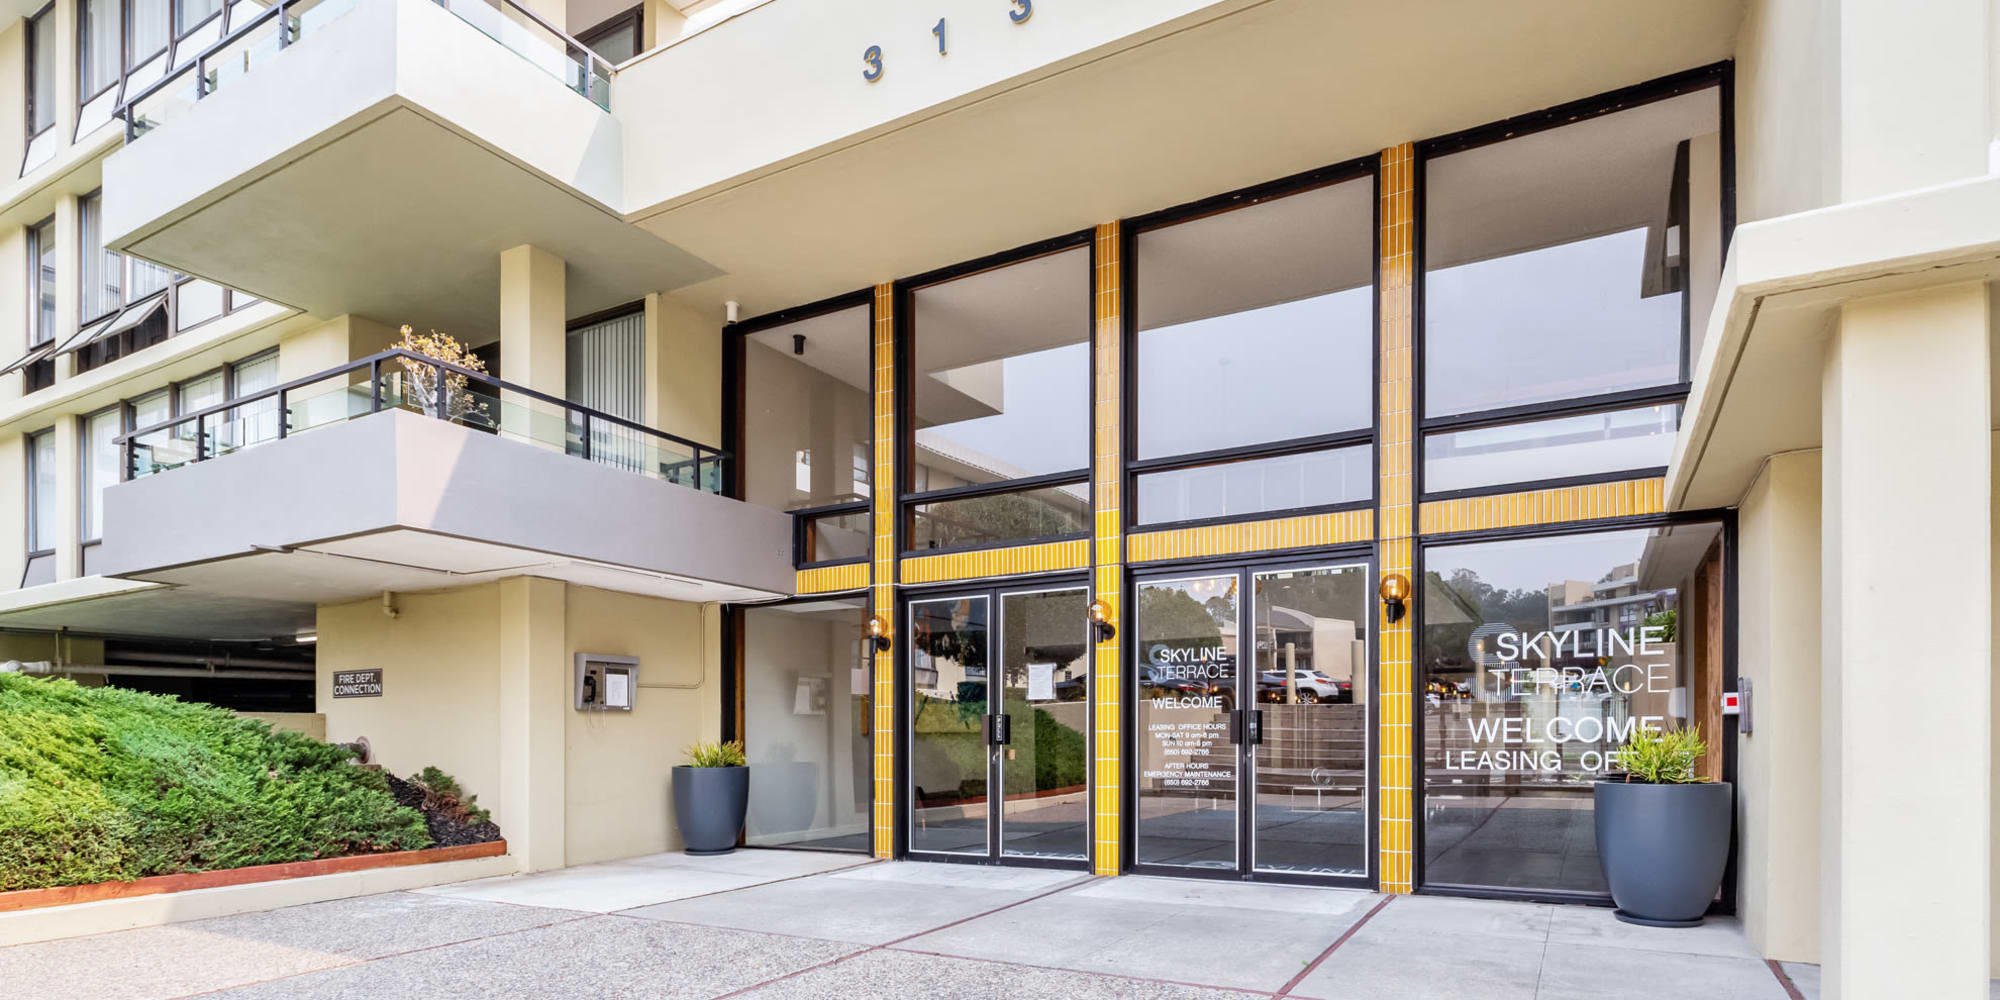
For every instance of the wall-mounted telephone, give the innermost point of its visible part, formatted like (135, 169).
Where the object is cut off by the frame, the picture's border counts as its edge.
(606, 683)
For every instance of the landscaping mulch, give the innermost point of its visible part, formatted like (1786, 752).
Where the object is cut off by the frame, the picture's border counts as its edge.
(448, 827)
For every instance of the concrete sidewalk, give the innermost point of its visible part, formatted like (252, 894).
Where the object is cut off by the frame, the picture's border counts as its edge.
(782, 924)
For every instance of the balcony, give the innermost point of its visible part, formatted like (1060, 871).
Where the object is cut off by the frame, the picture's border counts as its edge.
(363, 136)
(239, 520)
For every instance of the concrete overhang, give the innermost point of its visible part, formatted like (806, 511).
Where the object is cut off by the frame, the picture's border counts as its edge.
(247, 545)
(757, 145)
(392, 153)
(1757, 380)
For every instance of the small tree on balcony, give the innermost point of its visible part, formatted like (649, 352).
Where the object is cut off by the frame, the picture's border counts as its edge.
(440, 392)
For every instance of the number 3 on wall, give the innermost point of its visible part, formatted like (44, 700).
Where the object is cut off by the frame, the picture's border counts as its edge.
(873, 57)
(1023, 9)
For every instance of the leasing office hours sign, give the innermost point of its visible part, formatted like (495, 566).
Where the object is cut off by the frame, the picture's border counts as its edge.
(357, 683)
(1565, 701)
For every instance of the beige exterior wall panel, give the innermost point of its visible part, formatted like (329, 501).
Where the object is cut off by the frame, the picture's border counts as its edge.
(440, 702)
(618, 765)
(1778, 643)
(1907, 758)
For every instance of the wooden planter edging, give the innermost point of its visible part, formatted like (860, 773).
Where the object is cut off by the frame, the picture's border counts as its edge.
(152, 885)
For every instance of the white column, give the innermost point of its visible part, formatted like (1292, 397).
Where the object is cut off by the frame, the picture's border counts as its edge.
(534, 351)
(1906, 613)
(69, 278)
(534, 704)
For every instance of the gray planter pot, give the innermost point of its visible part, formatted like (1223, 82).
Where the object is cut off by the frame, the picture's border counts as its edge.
(1663, 848)
(708, 806)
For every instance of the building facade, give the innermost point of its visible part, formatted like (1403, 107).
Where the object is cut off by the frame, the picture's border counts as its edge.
(1260, 440)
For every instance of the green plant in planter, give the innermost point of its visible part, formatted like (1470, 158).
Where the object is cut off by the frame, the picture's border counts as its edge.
(714, 754)
(1663, 758)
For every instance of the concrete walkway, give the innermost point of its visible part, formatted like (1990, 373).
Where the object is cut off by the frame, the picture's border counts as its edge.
(781, 924)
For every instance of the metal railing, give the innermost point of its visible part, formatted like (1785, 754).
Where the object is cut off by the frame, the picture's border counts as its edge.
(400, 379)
(249, 41)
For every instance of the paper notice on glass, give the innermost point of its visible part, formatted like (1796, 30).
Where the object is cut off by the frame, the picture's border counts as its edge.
(1041, 682)
(617, 693)
(858, 682)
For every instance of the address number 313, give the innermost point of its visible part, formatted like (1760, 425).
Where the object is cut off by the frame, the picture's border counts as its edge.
(871, 57)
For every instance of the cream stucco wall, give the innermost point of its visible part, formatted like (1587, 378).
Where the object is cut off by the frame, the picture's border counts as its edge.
(1783, 70)
(683, 384)
(477, 681)
(618, 764)
(1778, 765)
(440, 700)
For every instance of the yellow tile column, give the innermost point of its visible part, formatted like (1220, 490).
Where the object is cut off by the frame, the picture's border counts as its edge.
(1396, 829)
(882, 592)
(1107, 464)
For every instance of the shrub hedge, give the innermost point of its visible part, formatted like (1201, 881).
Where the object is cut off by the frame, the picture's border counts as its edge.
(101, 784)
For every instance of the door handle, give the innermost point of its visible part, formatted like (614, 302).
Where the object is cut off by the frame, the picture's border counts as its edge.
(1003, 730)
(1246, 725)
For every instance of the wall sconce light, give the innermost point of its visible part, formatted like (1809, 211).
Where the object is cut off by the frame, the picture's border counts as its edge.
(878, 633)
(1395, 589)
(1100, 622)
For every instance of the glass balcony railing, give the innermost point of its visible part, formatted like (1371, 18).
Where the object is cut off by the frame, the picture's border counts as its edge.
(255, 31)
(400, 380)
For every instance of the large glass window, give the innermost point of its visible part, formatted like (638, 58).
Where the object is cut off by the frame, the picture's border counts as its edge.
(1540, 657)
(42, 491)
(1567, 268)
(807, 411)
(1258, 485)
(1256, 336)
(100, 466)
(1635, 440)
(806, 678)
(1258, 324)
(1002, 395)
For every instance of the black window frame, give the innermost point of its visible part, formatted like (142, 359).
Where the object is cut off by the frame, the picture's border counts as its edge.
(635, 16)
(83, 95)
(907, 497)
(37, 30)
(34, 504)
(1420, 548)
(124, 412)
(1360, 168)
(735, 413)
(1720, 77)
(133, 59)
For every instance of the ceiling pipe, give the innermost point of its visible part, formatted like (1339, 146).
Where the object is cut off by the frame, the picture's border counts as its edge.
(211, 660)
(109, 670)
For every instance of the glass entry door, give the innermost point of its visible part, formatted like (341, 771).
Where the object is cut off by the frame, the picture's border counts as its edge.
(997, 727)
(1250, 749)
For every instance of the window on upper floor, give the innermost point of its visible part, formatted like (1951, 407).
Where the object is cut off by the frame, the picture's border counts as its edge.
(41, 86)
(1565, 268)
(42, 491)
(149, 27)
(1254, 357)
(100, 465)
(124, 305)
(1000, 407)
(42, 280)
(99, 60)
(617, 38)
